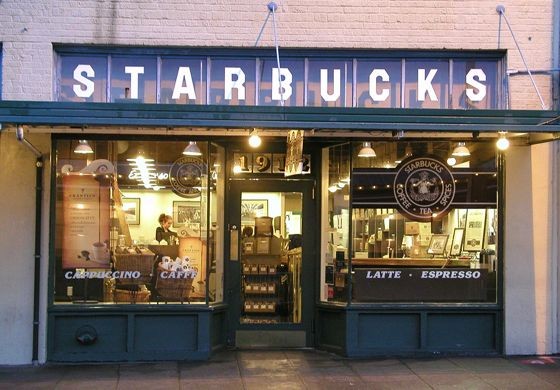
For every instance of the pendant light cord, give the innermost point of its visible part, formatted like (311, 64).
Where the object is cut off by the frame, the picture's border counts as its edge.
(272, 7)
(502, 11)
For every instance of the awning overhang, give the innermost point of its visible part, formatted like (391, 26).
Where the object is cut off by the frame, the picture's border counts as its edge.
(349, 120)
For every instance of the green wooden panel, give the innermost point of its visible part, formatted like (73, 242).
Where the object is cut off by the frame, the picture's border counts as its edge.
(111, 334)
(461, 331)
(218, 329)
(132, 334)
(331, 329)
(167, 333)
(390, 332)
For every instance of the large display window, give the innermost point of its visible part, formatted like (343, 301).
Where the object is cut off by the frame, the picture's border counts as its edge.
(335, 242)
(138, 222)
(418, 222)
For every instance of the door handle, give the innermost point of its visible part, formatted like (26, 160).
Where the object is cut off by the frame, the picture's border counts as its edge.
(234, 243)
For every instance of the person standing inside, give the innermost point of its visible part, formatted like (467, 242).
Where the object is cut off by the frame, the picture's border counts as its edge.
(163, 231)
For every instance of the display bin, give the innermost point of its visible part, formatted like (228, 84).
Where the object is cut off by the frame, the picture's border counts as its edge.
(165, 250)
(130, 296)
(142, 263)
(173, 289)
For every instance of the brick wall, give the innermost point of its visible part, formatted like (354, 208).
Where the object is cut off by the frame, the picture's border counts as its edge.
(28, 28)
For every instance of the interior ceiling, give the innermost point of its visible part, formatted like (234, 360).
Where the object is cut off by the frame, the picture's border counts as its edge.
(315, 133)
(319, 135)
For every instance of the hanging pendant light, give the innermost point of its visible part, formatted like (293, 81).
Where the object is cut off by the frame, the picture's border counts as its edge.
(461, 150)
(502, 143)
(192, 149)
(254, 139)
(367, 151)
(83, 147)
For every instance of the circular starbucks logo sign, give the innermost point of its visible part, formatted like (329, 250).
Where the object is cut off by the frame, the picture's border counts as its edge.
(185, 176)
(423, 186)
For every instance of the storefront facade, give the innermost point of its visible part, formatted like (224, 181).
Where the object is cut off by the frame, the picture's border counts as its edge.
(374, 219)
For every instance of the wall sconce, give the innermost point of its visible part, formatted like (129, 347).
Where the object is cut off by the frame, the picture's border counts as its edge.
(502, 143)
(192, 149)
(398, 134)
(367, 151)
(333, 188)
(83, 147)
(461, 150)
(254, 139)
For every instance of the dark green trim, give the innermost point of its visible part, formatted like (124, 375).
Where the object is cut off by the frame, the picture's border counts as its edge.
(135, 308)
(252, 52)
(213, 116)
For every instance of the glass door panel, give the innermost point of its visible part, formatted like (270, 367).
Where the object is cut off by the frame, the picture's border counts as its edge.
(271, 254)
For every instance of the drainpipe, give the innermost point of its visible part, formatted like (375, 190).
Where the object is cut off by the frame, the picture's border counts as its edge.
(37, 256)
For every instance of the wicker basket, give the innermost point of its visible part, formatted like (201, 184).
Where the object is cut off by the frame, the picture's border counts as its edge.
(142, 263)
(173, 289)
(130, 296)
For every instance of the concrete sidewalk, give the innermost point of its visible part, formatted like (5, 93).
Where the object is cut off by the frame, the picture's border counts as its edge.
(295, 369)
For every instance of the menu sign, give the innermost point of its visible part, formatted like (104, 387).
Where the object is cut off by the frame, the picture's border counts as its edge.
(420, 284)
(294, 154)
(86, 215)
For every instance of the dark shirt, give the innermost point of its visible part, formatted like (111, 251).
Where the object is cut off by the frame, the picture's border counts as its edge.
(164, 235)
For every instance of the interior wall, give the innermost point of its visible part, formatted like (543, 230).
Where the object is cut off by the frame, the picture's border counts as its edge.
(152, 204)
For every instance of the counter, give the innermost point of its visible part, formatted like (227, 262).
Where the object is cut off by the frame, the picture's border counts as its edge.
(410, 262)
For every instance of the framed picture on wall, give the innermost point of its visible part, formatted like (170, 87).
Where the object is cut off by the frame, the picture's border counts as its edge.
(475, 226)
(186, 213)
(131, 209)
(457, 242)
(253, 208)
(437, 244)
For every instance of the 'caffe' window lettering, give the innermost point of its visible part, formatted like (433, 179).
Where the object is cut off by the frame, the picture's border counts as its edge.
(445, 82)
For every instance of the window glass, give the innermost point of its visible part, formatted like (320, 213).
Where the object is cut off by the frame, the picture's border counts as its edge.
(378, 83)
(136, 222)
(412, 240)
(133, 79)
(183, 81)
(336, 222)
(82, 78)
(329, 83)
(426, 84)
(232, 82)
(475, 84)
(216, 191)
(291, 82)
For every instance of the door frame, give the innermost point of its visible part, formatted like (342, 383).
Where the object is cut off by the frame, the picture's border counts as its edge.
(232, 275)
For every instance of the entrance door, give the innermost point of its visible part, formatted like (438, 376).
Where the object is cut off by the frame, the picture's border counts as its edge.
(270, 278)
